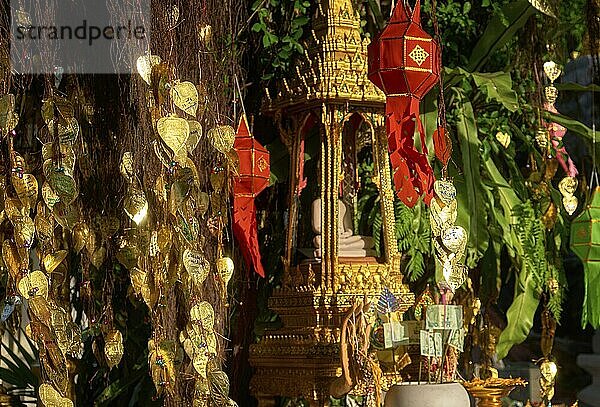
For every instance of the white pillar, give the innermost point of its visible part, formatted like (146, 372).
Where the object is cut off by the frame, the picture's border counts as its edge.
(591, 364)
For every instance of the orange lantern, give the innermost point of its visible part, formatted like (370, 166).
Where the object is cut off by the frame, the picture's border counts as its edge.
(404, 62)
(252, 179)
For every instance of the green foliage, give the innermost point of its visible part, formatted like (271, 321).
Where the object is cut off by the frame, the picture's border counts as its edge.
(281, 25)
(18, 376)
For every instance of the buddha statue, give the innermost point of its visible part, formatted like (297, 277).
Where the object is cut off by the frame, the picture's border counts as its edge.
(349, 244)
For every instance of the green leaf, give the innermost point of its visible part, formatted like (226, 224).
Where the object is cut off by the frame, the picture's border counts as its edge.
(591, 299)
(374, 7)
(498, 87)
(497, 34)
(520, 318)
(575, 87)
(280, 161)
(475, 205)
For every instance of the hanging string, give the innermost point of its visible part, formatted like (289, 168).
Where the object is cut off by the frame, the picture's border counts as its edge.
(441, 121)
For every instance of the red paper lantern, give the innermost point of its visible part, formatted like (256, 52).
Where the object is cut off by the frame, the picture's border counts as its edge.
(404, 63)
(252, 179)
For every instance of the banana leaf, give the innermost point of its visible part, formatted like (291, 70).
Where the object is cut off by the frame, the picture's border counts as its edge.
(475, 206)
(497, 86)
(520, 317)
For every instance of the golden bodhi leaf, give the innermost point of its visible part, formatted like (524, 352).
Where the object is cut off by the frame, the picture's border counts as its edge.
(196, 265)
(27, 189)
(113, 347)
(126, 167)
(144, 66)
(185, 97)
(52, 260)
(11, 258)
(225, 268)
(136, 205)
(175, 132)
(222, 138)
(52, 398)
(34, 285)
(8, 118)
(202, 316)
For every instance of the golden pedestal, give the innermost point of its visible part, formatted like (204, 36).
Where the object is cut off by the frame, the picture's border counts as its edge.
(302, 358)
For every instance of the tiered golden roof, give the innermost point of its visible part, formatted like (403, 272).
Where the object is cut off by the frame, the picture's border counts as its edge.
(334, 65)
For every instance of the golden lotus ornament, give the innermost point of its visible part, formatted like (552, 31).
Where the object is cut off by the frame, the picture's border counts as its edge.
(570, 203)
(50, 397)
(552, 70)
(567, 186)
(113, 347)
(222, 138)
(144, 65)
(445, 190)
(34, 284)
(174, 131)
(185, 97)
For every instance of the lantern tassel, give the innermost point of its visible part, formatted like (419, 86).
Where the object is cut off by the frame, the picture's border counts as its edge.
(413, 176)
(591, 298)
(245, 230)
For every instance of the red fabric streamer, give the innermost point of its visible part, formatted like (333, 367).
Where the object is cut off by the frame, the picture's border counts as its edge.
(252, 179)
(404, 62)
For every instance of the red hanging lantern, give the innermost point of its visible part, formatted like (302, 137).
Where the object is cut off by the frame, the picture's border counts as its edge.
(404, 63)
(253, 178)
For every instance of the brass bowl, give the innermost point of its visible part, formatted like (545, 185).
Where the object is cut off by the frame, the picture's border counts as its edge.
(490, 392)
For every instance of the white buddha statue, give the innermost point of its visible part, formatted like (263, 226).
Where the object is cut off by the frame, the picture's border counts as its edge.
(349, 244)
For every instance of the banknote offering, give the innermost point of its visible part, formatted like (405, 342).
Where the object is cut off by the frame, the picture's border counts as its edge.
(431, 343)
(457, 339)
(444, 317)
(393, 333)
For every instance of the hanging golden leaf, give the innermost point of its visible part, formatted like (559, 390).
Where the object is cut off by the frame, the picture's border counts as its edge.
(503, 138)
(177, 195)
(160, 189)
(185, 97)
(164, 240)
(67, 132)
(52, 260)
(552, 70)
(550, 216)
(34, 284)
(547, 7)
(8, 118)
(174, 131)
(113, 347)
(52, 398)
(40, 308)
(98, 257)
(27, 190)
(570, 203)
(196, 265)
(66, 215)
(24, 232)
(50, 197)
(44, 223)
(202, 316)
(195, 135)
(200, 362)
(217, 179)
(63, 185)
(65, 159)
(126, 166)
(162, 154)
(144, 66)
(225, 269)
(81, 236)
(188, 227)
(136, 205)
(13, 209)
(219, 387)
(11, 258)
(222, 138)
